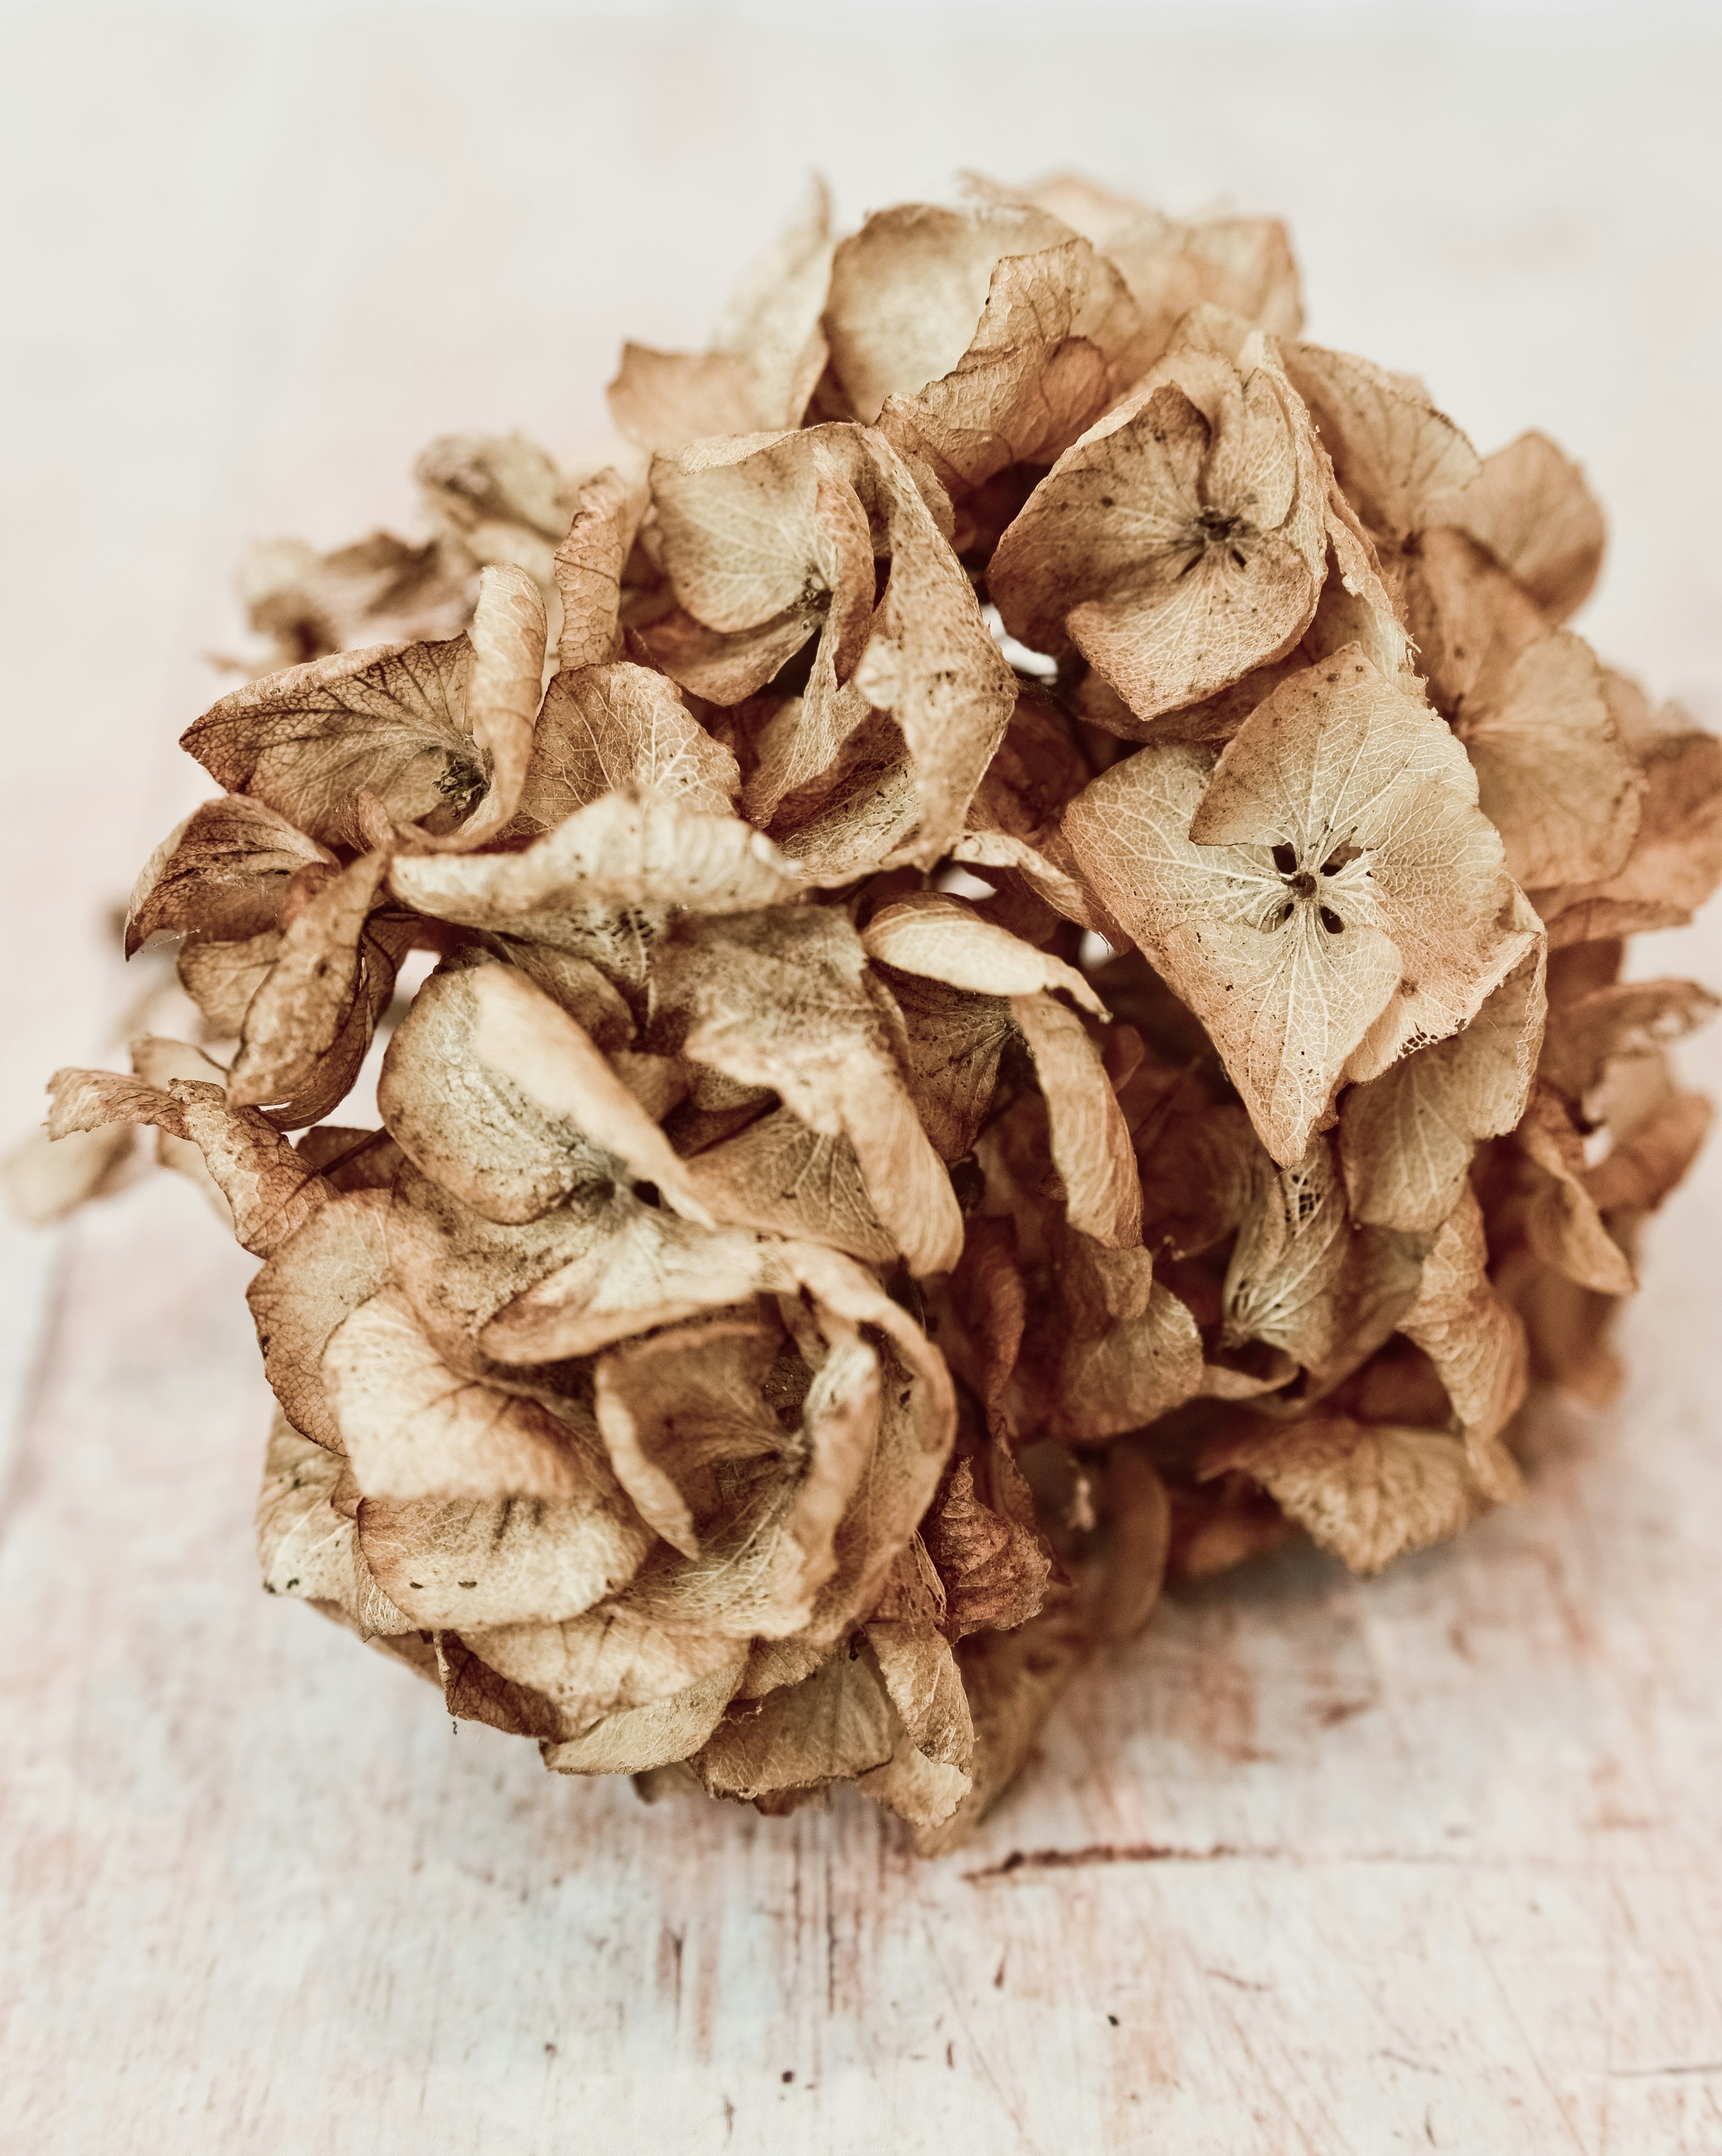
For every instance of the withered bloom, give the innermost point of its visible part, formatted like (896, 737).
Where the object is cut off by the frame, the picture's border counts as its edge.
(1017, 937)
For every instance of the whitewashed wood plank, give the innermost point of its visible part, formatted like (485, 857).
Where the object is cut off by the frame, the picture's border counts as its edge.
(1430, 1861)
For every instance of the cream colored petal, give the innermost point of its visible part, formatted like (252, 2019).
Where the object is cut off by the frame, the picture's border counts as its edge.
(1530, 506)
(504, 1560)
(222, 872)
(390, 722)
(1368, 1491)
(1091, 1143)
(907, 291)
(1406, 1137)
(1303, 1278)
(1553, 774)
(624, 850)
(943, 938)
(414, 1428)
(606, 728)
(588, 567)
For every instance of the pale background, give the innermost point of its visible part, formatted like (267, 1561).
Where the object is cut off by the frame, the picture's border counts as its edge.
(1430, 1863)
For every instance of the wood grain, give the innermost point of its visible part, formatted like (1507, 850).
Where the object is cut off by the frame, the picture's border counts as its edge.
(1428, 1862)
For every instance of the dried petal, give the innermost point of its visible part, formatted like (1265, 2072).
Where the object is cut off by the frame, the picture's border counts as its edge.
(606, 728)
(1530, 506)
(503, 1098)
(909, 290)
(1182, 540)
(1303, 1277)
(1339, 891)
(309, 1022)
(390, 722)
(625, 849)
(588, 567)
(414, 1427)
(1406, 1137)
(221, 872)
(1368, 1491)
(1051, 351)
(780, 998)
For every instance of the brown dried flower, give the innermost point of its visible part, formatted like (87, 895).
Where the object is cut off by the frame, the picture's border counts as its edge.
(800, 1293)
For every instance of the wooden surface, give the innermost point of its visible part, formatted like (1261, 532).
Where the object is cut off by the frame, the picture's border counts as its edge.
(1317, 1866)
(1317, 1869)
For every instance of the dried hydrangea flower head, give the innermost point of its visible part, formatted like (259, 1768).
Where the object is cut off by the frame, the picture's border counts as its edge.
(1019, 930)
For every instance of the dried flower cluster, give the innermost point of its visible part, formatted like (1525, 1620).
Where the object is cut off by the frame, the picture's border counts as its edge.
(1036, 1001)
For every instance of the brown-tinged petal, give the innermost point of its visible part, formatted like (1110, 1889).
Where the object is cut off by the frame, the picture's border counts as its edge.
(943, 938)
(1563, 1224)
(831, 1727)
(500, 1096)
(503, 1560)
(1042, 871)
(908, 289)
(1530, 506)
(1392, 450)
(605, 728)
(388, 721)
(921, 1678)
(379, 590)
(414, 1428)
(625, 849)
(1337, 866)
(1182, 540)
(1091, 1144)
(767, 354)
(663, 399)
(771, 317)
(1406, 1137)
(307, 1545)
(915, 1426)
(1198, 1163)
(681, 1413)
(338, 1260)
(1243, 265)
(1676, 859)
(635, 1739)
(781, 999)
(589, 568)
(1368, 1491)
(1340, 759)
(221, 873)
(760, 1503)
(1553, 775)
(1650, 1159)
(1136, 1542)
(1303, 1277)
(1052, 348)
(781, 1175)
(499, 496)
(954, 1040)
(308, 1024)
(596, 1270)
(1137, 1370)
(1626, 1019)
(503, 688)
(269, 1190)
(1475, 1342)
(994, 1569)
(755, 527)
(1011, 1680)
(221, 978)
(87, 1100)
(605, 1663)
